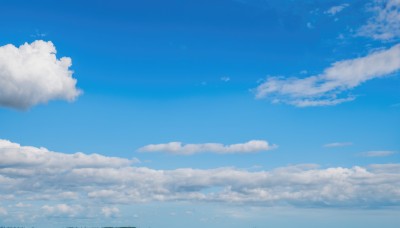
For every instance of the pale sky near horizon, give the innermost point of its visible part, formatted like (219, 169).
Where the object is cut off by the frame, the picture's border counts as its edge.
(230, 113)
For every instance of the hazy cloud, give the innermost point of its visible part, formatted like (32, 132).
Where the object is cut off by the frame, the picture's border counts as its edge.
(336, 9)
(225, 79)
(188, 149)
(329, 87)
(385, 23)
(110, 211)
(378, 153)
(338, 144)
(62, 210)
(31, 74)
(3, 211)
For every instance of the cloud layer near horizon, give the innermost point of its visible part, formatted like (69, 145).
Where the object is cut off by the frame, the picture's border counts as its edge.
(31, 74)
(30, 174)
(330, 87)
(178, 148)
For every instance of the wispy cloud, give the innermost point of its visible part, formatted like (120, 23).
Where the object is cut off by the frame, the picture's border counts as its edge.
(31, 74)
(3, 212)
(385, 23)
(329, 87)
(188, 149)
(336, 9)
(378, 153)
(338, 144)
(225, 79)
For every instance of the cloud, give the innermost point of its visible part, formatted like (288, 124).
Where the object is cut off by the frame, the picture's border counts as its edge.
(3, 211)
(110, 212)
(15, 156)
(225, 79)
(31, 74)
(385, 23)
(99, 185)
(330, 87)
(378, 153)
(336, 9)
(188, 149)
(338, 144)
(62, 210)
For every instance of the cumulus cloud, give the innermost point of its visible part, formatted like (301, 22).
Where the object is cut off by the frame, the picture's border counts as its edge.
(188, 149)
(31, 74)
(385, 22)
(102, 184)
(336, 9)
(330, 87)
(338, 144)
(378, 153)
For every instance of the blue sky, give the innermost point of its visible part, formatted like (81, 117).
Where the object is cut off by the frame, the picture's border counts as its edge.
(241, 113)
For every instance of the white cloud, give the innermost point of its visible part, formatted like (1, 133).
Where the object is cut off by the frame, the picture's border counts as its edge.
(95, 185)
(338, 144)
(22, 205)
(62, 210)
(336, 9)
(378, 153)
(31, 74)
(110, 212)
(385, 23)
(19, 159)
(328, 88)
(188, 149)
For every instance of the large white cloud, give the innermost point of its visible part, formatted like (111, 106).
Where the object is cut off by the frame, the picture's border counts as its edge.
(187, 149)
(76, 181)
(31, 74)
(385, 22)
(330, 87)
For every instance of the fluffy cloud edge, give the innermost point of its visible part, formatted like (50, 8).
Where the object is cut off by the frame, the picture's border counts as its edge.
(32, 74)
(103, 184)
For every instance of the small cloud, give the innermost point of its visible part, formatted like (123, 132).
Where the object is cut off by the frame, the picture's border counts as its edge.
(310, 26)
(110, 212)
(62, 210)
(377, 153)
(3, 211)
(38, 34)
(225, 79)
(22, 205)
(188, 149)
(336, 9)
(338, 144)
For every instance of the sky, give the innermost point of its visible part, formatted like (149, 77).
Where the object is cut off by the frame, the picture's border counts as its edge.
(228, 113)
